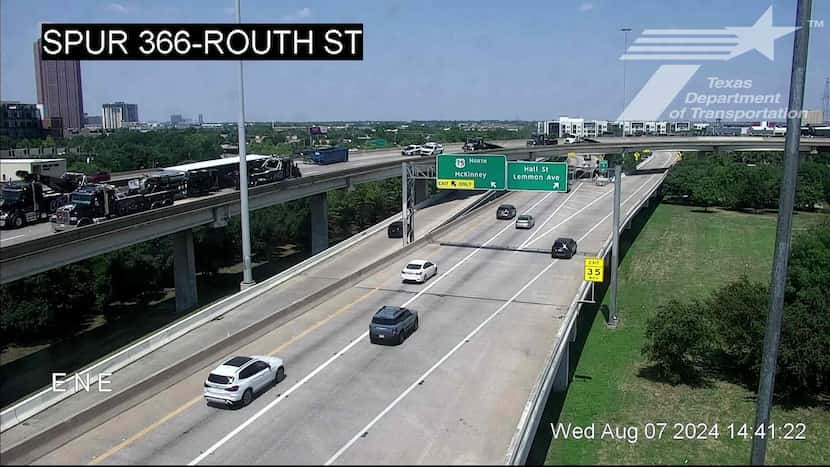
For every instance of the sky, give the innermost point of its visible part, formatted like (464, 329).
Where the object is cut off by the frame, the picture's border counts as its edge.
(423, 59)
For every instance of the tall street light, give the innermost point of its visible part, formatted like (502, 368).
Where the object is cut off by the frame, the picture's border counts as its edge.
(625, 91)
(247, 276)
(783, 234)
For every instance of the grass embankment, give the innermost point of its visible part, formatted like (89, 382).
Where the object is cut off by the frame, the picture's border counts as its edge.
(679, 253)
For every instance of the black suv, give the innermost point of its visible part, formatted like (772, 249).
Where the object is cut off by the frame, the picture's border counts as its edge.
(506, 211)
(563, 248)
(392, 324)
(395, 230)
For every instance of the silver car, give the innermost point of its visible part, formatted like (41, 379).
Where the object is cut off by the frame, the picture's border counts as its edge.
(525, 221)
(236, 381)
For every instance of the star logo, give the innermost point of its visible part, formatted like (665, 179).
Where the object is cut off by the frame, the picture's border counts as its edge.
(760, 36)
(696, 45)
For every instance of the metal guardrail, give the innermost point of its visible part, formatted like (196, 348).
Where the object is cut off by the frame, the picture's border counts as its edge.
(631, 144)
(34, 404)
(65, 239)
(531, 416)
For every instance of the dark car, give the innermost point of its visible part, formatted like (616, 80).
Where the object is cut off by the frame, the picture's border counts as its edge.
(395, 230)
(506, 211)
(392, 324)
(563, 248)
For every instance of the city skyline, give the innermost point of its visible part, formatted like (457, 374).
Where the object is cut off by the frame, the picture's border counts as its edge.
(487, 63)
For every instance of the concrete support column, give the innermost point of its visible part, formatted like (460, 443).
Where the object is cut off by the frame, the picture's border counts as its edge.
(563, 373)
(421, 190)
(184, 266)
(319, 223)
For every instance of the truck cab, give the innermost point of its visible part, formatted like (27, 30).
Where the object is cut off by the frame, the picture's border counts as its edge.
(23, 203)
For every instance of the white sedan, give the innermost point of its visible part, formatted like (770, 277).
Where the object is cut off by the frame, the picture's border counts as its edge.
(419, 271)
(411, 150)
(236, 381)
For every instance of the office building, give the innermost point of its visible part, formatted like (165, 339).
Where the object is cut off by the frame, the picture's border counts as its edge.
(201, 119)
(59, 91)
(175, 119)
(813, 117)
(20, 120)
(93, 121)
(115, 115)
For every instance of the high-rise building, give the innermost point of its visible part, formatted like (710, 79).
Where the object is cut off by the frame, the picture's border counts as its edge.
(59, 90)
(176, 119)
(201, 120)
(116, 114)
(20, 120)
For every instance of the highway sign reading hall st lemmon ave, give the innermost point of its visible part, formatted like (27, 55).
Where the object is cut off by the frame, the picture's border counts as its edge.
(537, 176)
(471, 171)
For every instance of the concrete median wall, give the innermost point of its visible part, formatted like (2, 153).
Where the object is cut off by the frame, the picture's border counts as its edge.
(61, 432)
(532, 414)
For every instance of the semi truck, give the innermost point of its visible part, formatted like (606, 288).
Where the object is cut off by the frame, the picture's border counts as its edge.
(324, 156)
(95, 203)
(33, 197)
(478, 144)
(273, 169)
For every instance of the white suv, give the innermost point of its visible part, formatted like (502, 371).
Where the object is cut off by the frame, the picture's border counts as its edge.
(411, 150)
(237, 380)
(431, 149)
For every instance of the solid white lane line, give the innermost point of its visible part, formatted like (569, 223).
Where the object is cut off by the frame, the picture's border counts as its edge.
(433, 367)
(596, 200)
(339, 353)
(11, 238)
(466, 338)
(533, 234)
(588, 205)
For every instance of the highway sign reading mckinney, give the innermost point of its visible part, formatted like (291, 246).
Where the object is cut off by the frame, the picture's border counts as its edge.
(471, 171)
(537, 176)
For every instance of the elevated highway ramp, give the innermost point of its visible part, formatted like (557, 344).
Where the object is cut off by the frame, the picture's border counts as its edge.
(454, 392)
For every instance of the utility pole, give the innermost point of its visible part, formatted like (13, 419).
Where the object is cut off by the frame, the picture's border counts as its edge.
(615, 247)
(826, 100)
(783, 235)
(625, 91)
(247, 275)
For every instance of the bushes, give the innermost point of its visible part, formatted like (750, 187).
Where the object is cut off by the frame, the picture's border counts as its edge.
(745, 181)
(677, 336)
(725, 332)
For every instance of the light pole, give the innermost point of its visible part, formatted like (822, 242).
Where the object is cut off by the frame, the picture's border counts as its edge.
(783, 235)
(247, 276)
(625, 32)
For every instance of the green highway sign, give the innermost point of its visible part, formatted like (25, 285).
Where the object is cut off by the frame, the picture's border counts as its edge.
(471, 171)
(537, 176)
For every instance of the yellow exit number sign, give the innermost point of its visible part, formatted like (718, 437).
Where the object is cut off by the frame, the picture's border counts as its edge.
(594, 268)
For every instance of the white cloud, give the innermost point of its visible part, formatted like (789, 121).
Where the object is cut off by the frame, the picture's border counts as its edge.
(299, 14)
(115, 7)
(586, 7)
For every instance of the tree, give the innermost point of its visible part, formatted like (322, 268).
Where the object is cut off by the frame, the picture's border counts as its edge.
(677, 341)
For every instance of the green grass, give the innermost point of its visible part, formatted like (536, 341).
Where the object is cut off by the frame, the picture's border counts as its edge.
(681, 254)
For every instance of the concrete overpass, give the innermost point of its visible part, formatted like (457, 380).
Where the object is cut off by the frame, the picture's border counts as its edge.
(36, 249)
(615, 145)
(495, 328)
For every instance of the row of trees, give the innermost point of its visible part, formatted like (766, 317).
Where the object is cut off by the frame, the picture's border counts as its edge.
(723, 334)
(58, 303)
(735, 182)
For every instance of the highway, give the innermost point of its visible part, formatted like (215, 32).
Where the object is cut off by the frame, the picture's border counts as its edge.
(356, 159)
(452, 393)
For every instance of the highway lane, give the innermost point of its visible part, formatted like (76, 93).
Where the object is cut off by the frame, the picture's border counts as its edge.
(465, 411)
(356, 159)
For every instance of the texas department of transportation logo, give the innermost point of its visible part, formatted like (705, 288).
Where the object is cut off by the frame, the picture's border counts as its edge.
(692, 46)
(460, 163)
